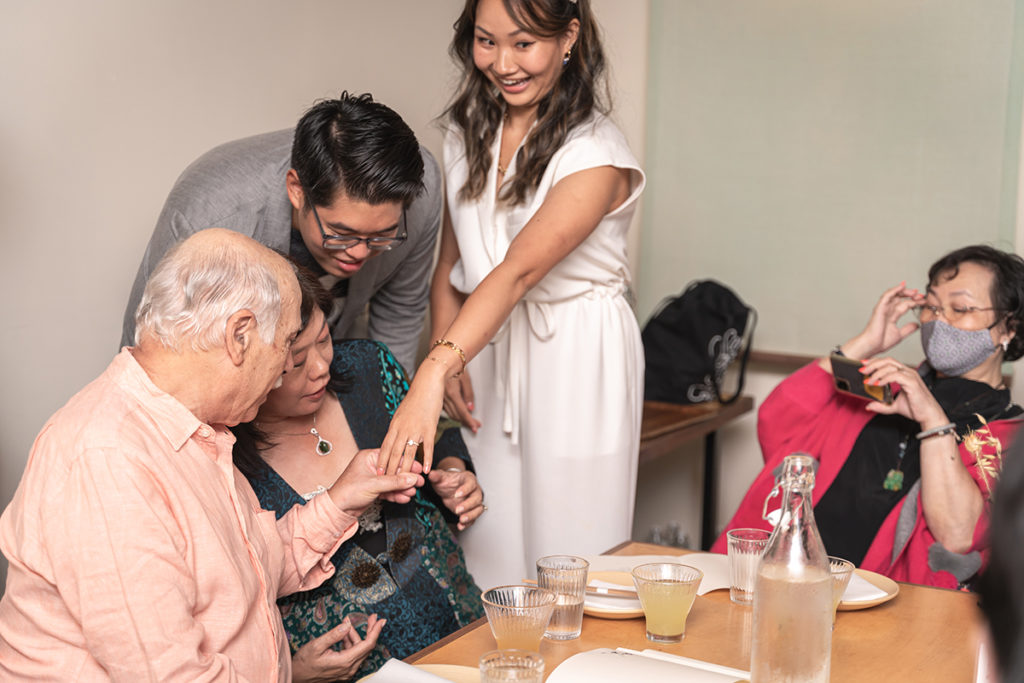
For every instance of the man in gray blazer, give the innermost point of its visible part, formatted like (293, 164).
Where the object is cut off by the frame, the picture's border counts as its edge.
(349, 193)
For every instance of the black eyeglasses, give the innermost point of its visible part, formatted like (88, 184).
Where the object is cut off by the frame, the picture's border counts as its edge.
(343, 242)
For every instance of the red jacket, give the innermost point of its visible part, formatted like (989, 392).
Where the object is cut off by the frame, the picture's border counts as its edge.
(805, 413)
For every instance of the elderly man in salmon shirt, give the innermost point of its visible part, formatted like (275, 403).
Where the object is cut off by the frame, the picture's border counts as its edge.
(137, 551)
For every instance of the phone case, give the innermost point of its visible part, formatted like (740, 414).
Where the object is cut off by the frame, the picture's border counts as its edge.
(849, 380)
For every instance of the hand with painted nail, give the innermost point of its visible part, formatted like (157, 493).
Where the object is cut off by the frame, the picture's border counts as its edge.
(360, 485)
(460, 492)
(884, 330)
(459, 401)
(914, 399)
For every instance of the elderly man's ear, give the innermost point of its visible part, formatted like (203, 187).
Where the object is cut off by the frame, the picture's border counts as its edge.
(240, 332)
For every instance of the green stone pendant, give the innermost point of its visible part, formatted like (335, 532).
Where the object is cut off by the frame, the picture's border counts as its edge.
(893, 481)
(323, 446)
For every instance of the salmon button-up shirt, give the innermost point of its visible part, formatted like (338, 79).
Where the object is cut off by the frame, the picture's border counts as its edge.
(138, 552)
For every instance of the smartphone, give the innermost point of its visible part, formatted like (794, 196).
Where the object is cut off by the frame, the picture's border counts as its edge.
(849, 380)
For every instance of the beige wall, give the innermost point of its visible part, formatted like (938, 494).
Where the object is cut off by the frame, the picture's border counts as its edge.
(105, 102)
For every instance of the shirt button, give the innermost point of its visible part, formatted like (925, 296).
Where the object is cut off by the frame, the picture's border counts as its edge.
(204, 431)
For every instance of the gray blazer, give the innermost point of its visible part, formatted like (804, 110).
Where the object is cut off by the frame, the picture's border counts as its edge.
(240, 185)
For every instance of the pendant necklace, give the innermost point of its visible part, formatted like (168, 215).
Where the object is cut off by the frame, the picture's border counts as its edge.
(323, 446)
(894, 479)
(503, 169)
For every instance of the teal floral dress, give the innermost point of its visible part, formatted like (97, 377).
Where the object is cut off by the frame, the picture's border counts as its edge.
(403, 564)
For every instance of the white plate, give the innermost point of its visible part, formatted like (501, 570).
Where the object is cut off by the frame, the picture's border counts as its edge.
(613, 606)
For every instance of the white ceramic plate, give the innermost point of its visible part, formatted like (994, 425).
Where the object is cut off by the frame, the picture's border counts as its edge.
(613, 606)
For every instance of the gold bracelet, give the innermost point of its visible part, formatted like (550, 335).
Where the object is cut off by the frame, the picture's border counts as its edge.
(457, 349)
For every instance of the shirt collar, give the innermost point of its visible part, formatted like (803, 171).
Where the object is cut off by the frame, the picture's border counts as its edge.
(172, 419)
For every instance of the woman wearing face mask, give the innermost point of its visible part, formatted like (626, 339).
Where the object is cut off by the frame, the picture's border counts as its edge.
(903, 489)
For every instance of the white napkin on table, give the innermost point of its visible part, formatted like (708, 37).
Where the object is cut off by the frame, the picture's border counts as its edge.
(397, 671)
(714, 565)
(861, 590)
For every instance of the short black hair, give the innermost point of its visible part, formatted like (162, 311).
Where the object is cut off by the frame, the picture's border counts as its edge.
(358, 147)
(1007, 285)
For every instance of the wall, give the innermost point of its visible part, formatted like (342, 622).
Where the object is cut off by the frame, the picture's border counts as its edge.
(106, 102)
(812, 154)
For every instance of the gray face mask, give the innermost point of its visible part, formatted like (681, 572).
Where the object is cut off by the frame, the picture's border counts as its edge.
(953, 351)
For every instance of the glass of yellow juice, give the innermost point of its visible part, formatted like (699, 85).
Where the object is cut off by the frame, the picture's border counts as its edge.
(666, 592)
(518, 615)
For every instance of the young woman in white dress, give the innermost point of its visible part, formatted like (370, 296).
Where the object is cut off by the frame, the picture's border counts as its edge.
(532, 285)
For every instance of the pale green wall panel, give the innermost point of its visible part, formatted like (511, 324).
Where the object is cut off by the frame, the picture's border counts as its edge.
(812, 153)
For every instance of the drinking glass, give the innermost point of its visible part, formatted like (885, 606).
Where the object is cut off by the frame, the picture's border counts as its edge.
(518, 615)
(566, 577)
(842, 570)
(666, 592)
(501, 666)
(745, 549)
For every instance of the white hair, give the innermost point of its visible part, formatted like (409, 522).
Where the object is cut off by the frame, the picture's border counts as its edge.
(192, 293)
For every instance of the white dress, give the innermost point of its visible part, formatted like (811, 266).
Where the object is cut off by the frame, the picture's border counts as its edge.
(559, 389)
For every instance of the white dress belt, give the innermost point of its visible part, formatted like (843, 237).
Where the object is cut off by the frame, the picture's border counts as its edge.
(536, 318)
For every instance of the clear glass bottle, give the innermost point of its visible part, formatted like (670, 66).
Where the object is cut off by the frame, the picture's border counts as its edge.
(792, 631)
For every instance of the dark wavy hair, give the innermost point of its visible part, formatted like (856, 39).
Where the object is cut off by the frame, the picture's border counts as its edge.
(1007, 285)
(356, 146)
(477, 107)
(250, 440)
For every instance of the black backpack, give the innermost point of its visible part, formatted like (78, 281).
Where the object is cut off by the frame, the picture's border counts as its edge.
(690, 341)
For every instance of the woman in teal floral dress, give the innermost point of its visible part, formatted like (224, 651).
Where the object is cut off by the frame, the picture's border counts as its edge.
(401, 582)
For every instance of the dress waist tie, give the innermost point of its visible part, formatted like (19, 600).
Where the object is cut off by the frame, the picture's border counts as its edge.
(530, 317)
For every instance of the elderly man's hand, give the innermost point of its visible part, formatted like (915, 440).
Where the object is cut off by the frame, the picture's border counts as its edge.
(460, 492)
(318, 662)
(359, 485)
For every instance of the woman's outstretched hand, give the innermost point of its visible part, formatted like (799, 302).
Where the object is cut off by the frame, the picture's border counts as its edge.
(883, 330)
(414, 423)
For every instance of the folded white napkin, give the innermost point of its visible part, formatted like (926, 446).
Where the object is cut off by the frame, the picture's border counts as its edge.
(614, 603)
(714, 565)
(397, 671)
(862, 590)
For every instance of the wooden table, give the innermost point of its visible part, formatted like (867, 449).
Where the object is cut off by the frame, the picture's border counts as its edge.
(923, 634)
(667, 426)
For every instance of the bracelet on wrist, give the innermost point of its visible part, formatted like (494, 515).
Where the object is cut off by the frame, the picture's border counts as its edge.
(937, 431)
(457, 349)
